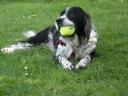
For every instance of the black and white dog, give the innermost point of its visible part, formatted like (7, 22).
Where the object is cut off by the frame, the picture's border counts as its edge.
(82, 43)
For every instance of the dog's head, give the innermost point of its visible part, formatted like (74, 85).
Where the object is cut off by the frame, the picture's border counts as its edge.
(77, 17)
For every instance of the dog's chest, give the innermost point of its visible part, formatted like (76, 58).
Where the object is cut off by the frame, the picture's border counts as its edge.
(73, 42)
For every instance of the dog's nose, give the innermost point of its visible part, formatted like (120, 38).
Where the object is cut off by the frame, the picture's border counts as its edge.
(59, 20)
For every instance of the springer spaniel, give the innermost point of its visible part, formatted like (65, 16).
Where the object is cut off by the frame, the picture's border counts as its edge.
(81, 45)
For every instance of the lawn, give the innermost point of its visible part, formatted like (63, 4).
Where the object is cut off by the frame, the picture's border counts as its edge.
(107, 75)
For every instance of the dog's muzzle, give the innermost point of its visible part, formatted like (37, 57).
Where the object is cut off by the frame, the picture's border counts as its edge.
(59, 21)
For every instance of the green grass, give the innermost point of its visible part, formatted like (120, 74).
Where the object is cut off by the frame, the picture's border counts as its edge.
(107, 75)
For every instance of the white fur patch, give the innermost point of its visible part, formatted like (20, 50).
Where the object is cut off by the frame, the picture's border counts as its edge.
(16, 46)
(64, 50)
(29, 34)
(93, 36)
(56, 26)
(7, 50)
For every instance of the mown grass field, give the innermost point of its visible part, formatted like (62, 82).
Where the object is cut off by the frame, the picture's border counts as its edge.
(107, 75)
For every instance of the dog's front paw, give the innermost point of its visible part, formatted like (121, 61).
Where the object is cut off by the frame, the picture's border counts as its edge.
(81, 65)
(7, 50)
(83, 62)
(66, 64)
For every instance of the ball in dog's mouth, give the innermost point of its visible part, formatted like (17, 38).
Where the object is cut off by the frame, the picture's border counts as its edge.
(67, 30)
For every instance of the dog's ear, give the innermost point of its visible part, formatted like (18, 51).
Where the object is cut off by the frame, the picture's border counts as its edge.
(83, 27)
(87, 25)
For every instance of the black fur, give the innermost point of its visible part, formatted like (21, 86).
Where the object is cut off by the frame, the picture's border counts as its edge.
(41, 37)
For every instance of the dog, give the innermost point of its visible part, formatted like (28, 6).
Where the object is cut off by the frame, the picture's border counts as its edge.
(82, 43)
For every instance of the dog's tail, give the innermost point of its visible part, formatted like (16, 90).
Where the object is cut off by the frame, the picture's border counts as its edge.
(29, 34)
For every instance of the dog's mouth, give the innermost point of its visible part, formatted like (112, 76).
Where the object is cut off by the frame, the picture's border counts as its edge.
(58, 26)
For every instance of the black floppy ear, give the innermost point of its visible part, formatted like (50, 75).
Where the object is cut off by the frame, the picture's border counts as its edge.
(83, 27)
(87, 25)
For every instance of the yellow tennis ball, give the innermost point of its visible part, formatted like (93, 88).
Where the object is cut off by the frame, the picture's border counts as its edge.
(67, 30)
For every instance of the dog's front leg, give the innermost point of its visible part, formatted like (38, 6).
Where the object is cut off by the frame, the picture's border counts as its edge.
(62, 54)
(83, 62)
(65, 63)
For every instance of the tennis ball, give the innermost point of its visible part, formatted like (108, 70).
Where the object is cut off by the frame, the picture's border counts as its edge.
(67, 30)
